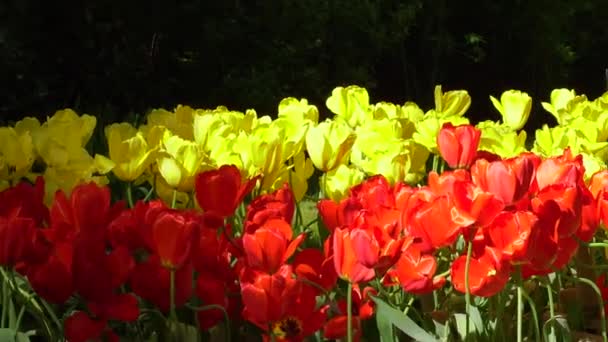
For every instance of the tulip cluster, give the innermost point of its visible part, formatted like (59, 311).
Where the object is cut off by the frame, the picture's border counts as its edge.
(215, 243)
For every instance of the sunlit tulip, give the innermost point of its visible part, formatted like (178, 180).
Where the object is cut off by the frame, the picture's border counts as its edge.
(560, 100)
(179, 161)
(128, 151)
(336, 183)
(298, 110)
(501, 140)
(514, 106)
(451, 103)
(458, 144)
(428, 128)
(350, 104)
(329, 144)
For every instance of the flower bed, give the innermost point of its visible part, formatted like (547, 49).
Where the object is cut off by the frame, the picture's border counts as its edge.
(191, 226)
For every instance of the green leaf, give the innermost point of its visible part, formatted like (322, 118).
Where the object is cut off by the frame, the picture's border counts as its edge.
(563, 329)
(401, 321)
(385, 328)
(10, 335)
(476, 319)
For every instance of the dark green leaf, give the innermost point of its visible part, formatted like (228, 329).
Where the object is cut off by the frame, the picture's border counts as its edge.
(402, 322)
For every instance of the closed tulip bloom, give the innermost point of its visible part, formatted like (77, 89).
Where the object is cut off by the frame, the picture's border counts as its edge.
(458, 144)
(514, 106)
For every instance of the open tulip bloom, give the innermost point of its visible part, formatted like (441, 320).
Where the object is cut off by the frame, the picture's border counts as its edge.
(204, 224)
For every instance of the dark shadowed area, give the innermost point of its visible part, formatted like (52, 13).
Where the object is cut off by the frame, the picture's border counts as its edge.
(115, 59)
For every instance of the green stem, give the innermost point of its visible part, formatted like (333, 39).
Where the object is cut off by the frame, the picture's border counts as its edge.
(601, 300)
(4, 300)
(217, 307)
(22, 310)
(597, 245)
(129, 195)
(324, 190)
(349, 313)
(534, 314)
(149, 194)
(172, 313)
(174, 200)
(467, 289)
(520, 310)
(520, 305)
(435, 163)
(552, 336)
(409, 305)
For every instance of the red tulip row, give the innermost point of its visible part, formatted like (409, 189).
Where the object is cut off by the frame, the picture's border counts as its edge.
(521, 215)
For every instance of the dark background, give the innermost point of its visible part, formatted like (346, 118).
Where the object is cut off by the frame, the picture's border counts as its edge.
(115, 59)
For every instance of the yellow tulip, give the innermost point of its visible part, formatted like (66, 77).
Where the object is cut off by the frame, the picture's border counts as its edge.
(501, 139)
(514, 106)
(263, 152)
(592, 164)
(336, 183)
(169, 195)
(16, 154)
(294, 130)
(209, 127)
(350, 104)
(179, 161)
(552, 141)
(65, 179)
(128, 151)
(377, 136)
(298, 110)
(407, 115)
(329, 144)
(178, 122)
(297, 176)
(451, 103)
(562, 103)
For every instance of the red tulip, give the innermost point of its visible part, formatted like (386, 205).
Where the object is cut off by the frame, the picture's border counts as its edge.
(25, 200)
(598, 183)
(312, 265)
(510, 179)
(335, 215)
(221, 191)
(565, 169)
(473, 205)
(17, 235)
(510, 233)
(431, 224)
(280, 305)
(355, 253)
(488, 273)
(458, 144)
(79, 327)
(151, 281)
(269, 247)
(52, 278)
(362, 309)
(173, 234)
(87, 211)
(415, 272)
(278, 205)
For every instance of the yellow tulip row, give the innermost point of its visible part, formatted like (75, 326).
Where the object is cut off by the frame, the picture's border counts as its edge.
(362, 139)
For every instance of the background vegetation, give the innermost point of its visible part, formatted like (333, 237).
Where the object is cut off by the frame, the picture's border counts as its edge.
(117, 58)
